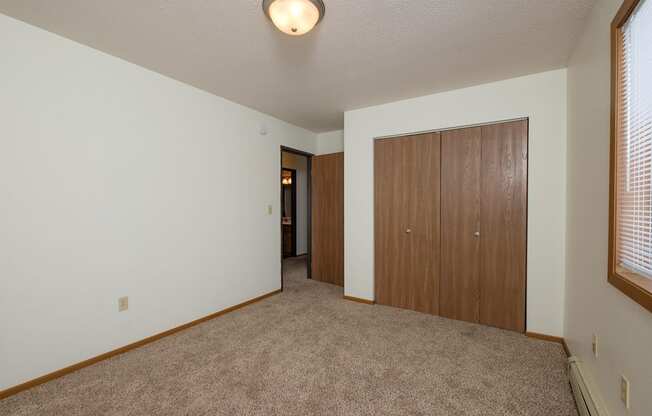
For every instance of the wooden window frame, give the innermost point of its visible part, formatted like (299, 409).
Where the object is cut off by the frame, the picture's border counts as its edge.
(635, 286)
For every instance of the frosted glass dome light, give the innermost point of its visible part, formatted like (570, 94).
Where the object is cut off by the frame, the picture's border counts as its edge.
(294, 17)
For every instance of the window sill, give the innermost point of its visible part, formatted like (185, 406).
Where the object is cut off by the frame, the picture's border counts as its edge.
(635, 286)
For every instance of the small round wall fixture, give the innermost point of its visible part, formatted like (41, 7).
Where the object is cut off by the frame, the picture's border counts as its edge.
(294, 17)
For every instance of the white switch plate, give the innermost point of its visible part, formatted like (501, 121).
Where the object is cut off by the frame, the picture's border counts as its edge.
(269, 210)
(624, 391)
(595, 346)
(123, 304)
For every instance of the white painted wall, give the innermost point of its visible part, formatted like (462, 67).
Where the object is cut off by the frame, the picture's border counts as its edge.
(542, 98)
(116, 181)
(300, 164)
(592, 305)
(331, 142)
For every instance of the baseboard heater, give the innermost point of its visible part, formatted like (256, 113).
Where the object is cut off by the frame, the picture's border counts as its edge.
(588, 403)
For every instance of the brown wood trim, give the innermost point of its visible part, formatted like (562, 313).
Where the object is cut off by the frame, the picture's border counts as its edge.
(566, 349)
(359, 300)
(550, 338)
(624, 12)
(86, 363)
(544, 337)
(636, 287)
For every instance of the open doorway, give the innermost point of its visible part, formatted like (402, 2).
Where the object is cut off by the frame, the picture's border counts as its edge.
(289, 215)
(295, 214)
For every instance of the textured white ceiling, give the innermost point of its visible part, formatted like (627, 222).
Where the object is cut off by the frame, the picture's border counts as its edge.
(365, 52)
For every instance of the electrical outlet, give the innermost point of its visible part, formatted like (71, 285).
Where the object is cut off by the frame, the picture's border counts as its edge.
(624, 391)
(595, 346)
(123, 304)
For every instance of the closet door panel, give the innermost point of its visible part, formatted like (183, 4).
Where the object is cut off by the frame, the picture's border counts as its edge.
(407, 222)
(424, 222)
(504, 225)
(390, 222)
(460, 216)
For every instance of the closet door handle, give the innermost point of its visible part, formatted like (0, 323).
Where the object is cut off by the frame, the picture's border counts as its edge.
(477, 233)
(408, 231)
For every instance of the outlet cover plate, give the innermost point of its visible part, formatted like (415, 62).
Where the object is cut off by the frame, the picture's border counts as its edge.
(624, 391)
(123, 304)
(595, 346)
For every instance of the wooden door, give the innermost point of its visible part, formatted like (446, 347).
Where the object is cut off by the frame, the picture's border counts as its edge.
(407, 222)
(460, 224)
(327, 193)
(390, 221)
(504, 225)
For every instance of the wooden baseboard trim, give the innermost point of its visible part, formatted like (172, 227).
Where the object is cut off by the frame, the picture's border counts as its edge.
(359, 300)
(558, 340)
(566, 349)
(67, 370)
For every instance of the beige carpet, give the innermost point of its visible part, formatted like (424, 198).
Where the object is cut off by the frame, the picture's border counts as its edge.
(307, 351)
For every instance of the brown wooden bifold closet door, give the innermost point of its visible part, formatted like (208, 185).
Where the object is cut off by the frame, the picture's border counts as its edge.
(327, 190)
(451, 223)
(460, 224)
(504, 225)
(407, 222)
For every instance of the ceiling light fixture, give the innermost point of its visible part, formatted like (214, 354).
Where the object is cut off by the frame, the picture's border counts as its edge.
(294, 17)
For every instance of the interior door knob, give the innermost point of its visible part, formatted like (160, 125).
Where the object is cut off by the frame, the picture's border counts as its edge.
(477, 233)
(408, 231)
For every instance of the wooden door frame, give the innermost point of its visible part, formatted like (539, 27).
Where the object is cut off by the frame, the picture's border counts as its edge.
(308, 156)
(293, 176)
(527, 193)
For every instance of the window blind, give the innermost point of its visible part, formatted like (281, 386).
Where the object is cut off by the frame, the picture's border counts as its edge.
(634, 142)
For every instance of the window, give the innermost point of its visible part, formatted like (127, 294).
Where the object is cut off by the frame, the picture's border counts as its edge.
(630, 225)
